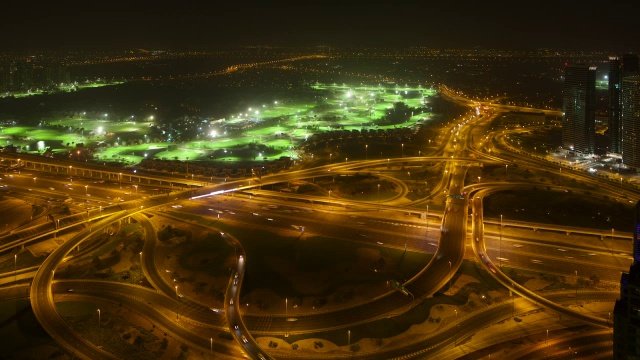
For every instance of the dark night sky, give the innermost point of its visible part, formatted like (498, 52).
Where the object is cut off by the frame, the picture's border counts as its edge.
(448, 24)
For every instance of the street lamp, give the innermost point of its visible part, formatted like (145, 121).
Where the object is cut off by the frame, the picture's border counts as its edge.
(178, 302)
(366, 152)
(513, 301)
(454, 338)
(449, 275)
(136, 186)
(576, 287)
(85, 189)
(15, 267)
(330, 155)
(506, 167)
(500, 244)
(286, 316)
(99, 325)
(379, 202)
(427, 232)
(348, 339)
(402, 153)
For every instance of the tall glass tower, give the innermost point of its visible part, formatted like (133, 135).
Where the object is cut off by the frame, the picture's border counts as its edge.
(579, 109)
(619, 69)
(615, 126)
(630, 118)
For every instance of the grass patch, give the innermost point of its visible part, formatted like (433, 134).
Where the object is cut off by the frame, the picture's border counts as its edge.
(210, 254)
(559, 208)
(384, 328)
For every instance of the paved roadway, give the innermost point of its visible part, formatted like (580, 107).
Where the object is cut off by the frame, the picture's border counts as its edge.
(446, 260)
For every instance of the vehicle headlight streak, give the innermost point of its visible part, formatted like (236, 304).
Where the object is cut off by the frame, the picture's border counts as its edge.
(212, 194)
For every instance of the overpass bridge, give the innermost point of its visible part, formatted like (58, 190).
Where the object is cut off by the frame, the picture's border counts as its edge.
(56, 166)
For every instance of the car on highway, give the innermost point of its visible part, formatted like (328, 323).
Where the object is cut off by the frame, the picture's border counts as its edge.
(261, 357)
(244, 339)
(236, 326)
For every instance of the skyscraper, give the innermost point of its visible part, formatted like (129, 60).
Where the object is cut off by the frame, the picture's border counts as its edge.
(579, 109)
(626, 314)
(618, 70)
(615, 126)
(630, 119)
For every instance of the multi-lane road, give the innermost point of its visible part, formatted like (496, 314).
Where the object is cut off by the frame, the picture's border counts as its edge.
(449, 234)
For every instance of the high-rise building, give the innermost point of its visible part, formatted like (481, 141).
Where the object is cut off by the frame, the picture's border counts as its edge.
(615, 126)
(618, 70)
(626, 313)
(630, 119)
(579, 109)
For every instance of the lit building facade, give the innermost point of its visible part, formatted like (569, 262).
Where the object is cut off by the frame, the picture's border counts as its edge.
(579, 109)
(630, 118)
(629, 65)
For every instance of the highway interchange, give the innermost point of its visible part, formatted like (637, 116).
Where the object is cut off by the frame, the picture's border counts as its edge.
(447, 235)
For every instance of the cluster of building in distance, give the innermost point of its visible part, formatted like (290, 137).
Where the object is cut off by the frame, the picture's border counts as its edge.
(579, 109)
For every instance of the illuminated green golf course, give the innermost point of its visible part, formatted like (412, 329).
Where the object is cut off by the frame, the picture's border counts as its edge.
(264, 131)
